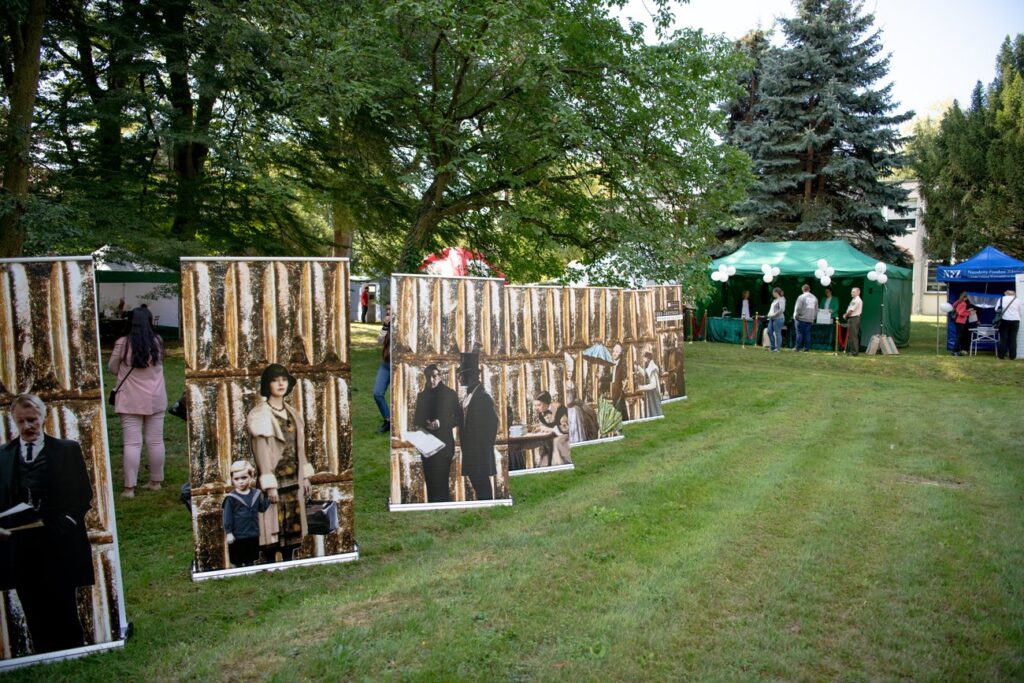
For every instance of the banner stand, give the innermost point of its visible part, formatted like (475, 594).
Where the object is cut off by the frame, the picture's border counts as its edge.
(643, 419)
(274, 566)
(412, 507)
(673, 400)
(60, 655)
(607, 439)
(541, 470)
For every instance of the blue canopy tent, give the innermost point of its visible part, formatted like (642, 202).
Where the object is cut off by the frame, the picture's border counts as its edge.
(984, 276)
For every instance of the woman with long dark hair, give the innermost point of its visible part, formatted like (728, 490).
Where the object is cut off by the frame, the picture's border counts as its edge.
(137, 361)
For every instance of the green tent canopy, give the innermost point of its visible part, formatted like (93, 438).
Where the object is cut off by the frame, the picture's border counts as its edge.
(797, 262)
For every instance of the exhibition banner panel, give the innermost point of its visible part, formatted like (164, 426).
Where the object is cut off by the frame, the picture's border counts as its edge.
(59, 565)
(670, 326)
(450, 396)
(538, 434)
(267, 379)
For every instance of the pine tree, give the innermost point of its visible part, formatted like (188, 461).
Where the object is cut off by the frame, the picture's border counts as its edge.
(822, 137)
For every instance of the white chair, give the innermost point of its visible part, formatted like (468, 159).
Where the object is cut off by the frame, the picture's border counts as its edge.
(985, 334)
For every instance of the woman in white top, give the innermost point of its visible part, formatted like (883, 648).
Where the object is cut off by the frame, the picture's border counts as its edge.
(776, 316)
(1010, 307)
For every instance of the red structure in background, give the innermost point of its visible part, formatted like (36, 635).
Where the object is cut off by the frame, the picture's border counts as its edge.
(455, 261)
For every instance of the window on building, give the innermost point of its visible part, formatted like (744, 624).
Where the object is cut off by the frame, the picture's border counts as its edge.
(935, 286)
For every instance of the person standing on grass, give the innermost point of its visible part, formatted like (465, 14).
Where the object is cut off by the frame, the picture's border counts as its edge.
(852, 317)
(804, 314)
(137, 362)
(364, 302)
(776, 316)
(1010, 324)
(961, 315)
(380, 384)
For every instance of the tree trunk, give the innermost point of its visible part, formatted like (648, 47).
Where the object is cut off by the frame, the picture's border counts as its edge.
(427, 218)
(26, 39)
(809, 169)
(343, 224)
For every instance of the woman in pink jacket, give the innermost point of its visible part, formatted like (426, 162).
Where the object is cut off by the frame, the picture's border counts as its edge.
(137, 361)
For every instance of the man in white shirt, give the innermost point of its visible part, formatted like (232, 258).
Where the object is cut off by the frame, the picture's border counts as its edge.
(1010, 307)
(804, 314)
(852, 316)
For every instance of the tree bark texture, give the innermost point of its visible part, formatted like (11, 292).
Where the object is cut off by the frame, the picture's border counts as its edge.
(26, 38)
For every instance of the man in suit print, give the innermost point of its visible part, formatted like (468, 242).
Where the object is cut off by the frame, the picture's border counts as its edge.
(47, 562)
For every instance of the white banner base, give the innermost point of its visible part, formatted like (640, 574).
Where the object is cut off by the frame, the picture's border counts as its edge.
(412, 507)
(580, 444)
(541, 470)
(50, 657)
(673, 400)
(644, 419)
(274, 566)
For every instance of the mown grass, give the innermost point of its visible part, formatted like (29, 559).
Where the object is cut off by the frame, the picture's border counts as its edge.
(800, 517)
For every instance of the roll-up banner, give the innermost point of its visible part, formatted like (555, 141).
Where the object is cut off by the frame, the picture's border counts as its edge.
(670, 327)
(59, 565)
(563, 367)
(450, 407)
(267, 377)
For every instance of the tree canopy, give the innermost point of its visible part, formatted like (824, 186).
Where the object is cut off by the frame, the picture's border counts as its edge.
(820, 131)
(970, 169)
(536, 131)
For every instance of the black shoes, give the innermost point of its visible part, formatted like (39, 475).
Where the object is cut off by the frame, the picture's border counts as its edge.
(385, 427)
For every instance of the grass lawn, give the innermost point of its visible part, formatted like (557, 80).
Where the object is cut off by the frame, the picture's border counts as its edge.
(800, 517)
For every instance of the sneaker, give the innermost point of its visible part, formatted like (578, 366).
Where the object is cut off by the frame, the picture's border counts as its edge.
(128, 493)
(153, 486)
(385, 427)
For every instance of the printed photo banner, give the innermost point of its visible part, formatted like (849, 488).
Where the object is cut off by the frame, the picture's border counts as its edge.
(565, 366)
(60, 570)
(670, 328)
(267, 378)
(449, 393)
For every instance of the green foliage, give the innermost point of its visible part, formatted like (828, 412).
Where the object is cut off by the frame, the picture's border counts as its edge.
(970, 166)
(536, 132)
(821, 135)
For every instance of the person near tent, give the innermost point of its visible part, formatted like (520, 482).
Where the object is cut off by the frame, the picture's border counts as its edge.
(776, 317)
(852, 316)
(745, 307)
(1009, 324)
(380, 384)
(961, 315)
(830, 304)
(805, 312)
(364, 302)
(141, 399)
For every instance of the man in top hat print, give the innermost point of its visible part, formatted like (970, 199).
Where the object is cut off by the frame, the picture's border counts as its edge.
(480, 428)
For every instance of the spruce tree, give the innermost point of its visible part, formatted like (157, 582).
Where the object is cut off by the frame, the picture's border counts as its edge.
(821, 134)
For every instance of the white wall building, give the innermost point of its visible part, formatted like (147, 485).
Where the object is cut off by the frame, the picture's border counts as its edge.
(928, 293)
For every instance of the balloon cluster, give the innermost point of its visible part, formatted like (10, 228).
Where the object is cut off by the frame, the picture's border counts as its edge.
(824, 272)
(878, 274)
(945, 307)
(723, 273)
(770, 272)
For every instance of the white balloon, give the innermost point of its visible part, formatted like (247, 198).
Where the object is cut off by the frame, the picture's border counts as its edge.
(822, 263)
(716, 276)
(879, 267)
(767, 277)
(826, 281)
(732, 270)
(872, 275)
(882, 278)
(819, 273)
(723, 268)
(765, 268)
(775, 271)
(945, 307)
(830, 271)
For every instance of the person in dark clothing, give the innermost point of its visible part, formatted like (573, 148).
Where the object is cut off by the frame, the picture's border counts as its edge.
(242, 510)
(438, 412)
(380, 384)
(45, 556)
(480, 429)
